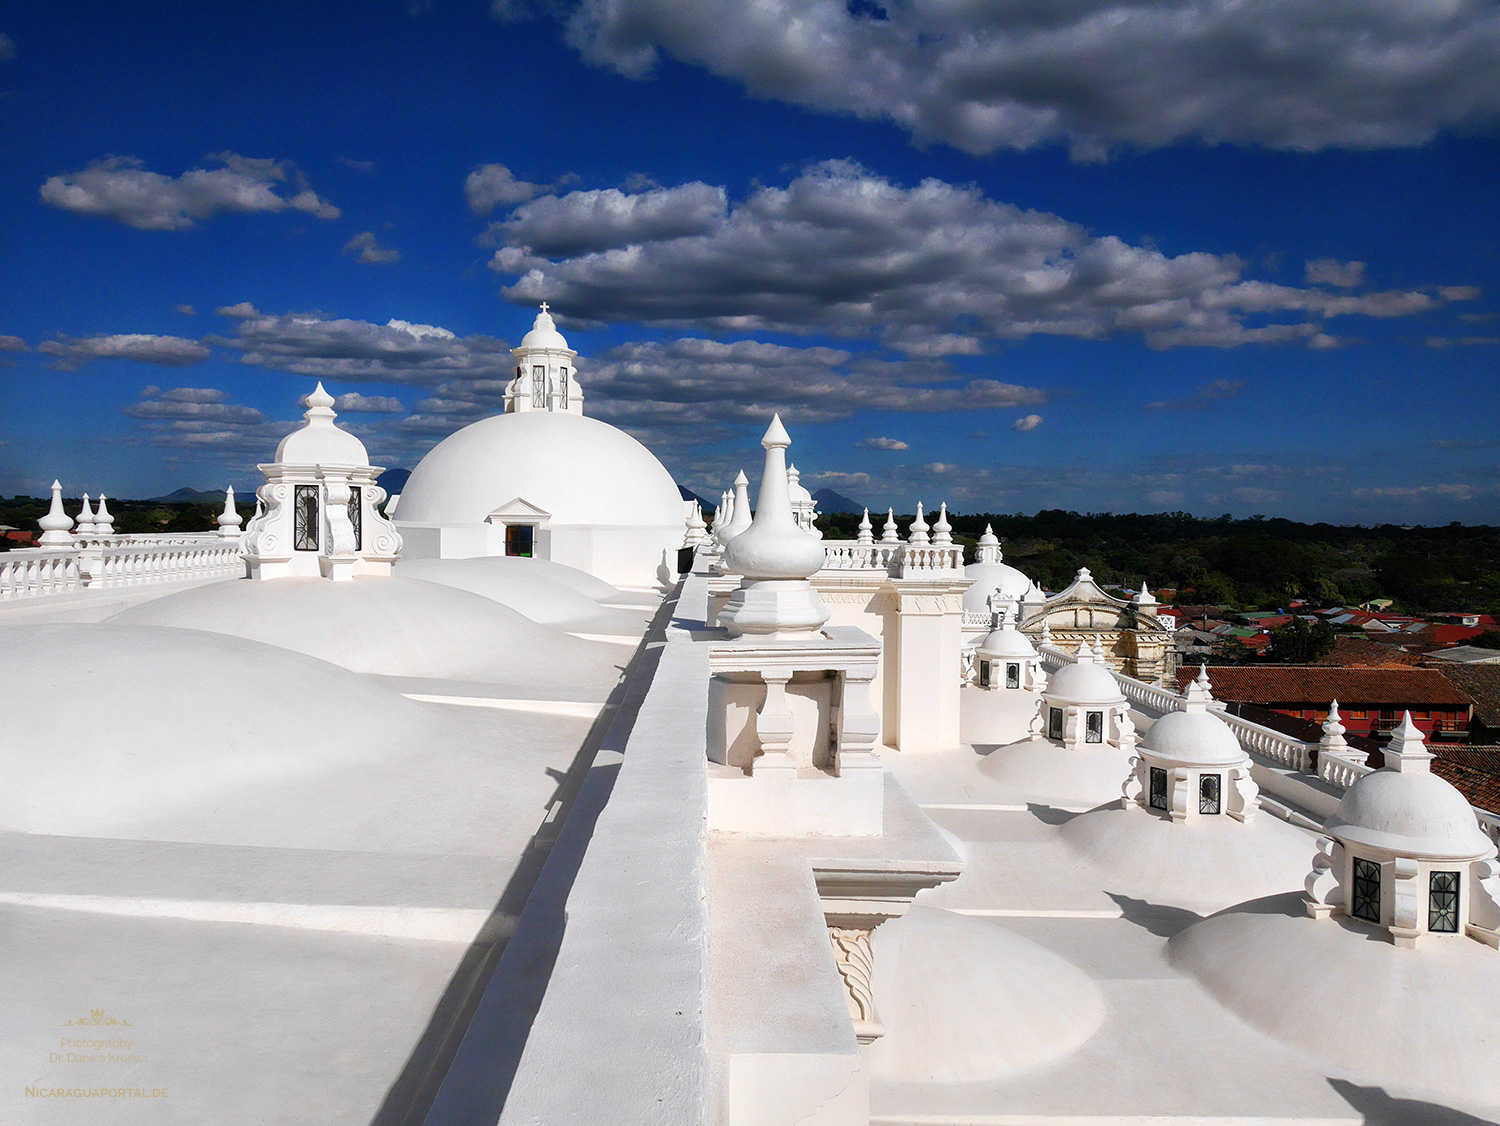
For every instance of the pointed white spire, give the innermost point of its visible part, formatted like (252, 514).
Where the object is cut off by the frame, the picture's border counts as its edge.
(1199, 692)
(696, 528)
(1097, 649)
(888, 534)
(1144, 597)
(918, 530)
(942, 531)
(84, 524)
(1407, 751)
(866, 531)
(320, 404)
(56, 524)
(1085, 654)
(775, 556)
(229, 519)
(1046, 637)
(740, 515)
(1333, 731)
(104, 520)
(1083, 576)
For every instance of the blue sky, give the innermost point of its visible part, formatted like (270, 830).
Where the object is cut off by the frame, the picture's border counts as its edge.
(1111, 256)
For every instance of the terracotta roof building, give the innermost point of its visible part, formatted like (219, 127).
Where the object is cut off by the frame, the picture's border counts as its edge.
(1371, 700)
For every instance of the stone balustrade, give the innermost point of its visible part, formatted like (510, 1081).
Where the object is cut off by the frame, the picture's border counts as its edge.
(1279, 748)
(899, 560)
(29, 573)
(97, 562)
(1340, 771)
(1490, 823)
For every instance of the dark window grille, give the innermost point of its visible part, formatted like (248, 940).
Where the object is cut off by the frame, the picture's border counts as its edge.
(1208, 793)
(1442, 902)
(562, 387)
(1364, 898)
(1054, 723)
(519, 540)
(1158, 788)
(1094, 729)
(1012, 675)
(357, 517)
(984, 674)
(305, 518)
(539, 388)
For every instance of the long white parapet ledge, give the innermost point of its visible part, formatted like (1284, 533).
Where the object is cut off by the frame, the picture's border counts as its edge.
(117, 561)
(895, 559)
(620, 1035)
(1301, 765)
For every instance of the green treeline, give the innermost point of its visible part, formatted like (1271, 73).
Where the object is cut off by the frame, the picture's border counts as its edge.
(1256, 563)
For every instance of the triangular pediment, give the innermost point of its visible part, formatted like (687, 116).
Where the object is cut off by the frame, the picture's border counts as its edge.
(520, 508)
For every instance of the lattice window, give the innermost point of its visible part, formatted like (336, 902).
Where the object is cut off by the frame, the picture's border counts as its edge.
(1055, 723)
(1364, 898)
(1208, 793)
(357, 517)
(1442, 902)
(519, 539)
(1094, 727)
(305, 518)
(1158, 788)
(984, 674)
(562, 387)
(1012, 675)
(539, 388)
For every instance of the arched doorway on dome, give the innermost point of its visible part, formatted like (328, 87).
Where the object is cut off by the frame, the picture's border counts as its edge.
(521, 529)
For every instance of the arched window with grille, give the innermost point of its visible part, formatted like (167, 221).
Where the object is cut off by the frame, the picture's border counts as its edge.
(1094, 728)
(1364, 897)
(1442, 902)
(1208, 793)
(305, 518)
(1012, 674)
(1158, 788)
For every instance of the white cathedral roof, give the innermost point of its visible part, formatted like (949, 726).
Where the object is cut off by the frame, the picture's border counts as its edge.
(319, 441)
(544, 334)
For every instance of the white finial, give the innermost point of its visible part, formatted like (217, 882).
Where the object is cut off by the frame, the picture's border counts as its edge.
(104, 521)
(1083, 576)
(545, 306)
(866, 530)
(942, 531)
(1144, 597)
(56, 524)
(740, 515)
(1333, 731)
(1199, 692)
(229, 519)
(84, 525)
(918, 531)
(1085, 655)
(1046, 637)
(1408, 749)
(1097, 649)
(320, 403)
(775, 556)
(888, 534)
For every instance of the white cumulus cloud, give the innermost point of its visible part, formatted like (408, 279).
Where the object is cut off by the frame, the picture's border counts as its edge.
(70, 353)
(892, 444)
(1028, 422)
(367, 249)
(121, 188)
(1094, 74)
(933, 270)
(492, 185)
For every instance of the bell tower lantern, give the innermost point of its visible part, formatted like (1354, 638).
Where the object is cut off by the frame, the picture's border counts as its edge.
(546, 376)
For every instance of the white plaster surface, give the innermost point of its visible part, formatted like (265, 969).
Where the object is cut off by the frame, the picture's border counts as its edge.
(542, 590)
(390, 626)
(1073, 778)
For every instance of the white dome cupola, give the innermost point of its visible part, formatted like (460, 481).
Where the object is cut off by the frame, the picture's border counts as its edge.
(319, 510)
(1191, 765)
(1082, 704)
(1405, 854)
(1005, 659)
(992, 576)
(546, 376)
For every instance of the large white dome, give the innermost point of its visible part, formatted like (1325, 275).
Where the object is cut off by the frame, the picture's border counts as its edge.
(996, 578)
(577, 469)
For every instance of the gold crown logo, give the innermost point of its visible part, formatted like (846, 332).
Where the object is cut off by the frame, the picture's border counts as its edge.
(97, 1017)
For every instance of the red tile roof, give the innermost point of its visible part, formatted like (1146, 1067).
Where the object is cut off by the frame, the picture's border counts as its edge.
(1316, 685)
(1474, 771)
(1351, 652)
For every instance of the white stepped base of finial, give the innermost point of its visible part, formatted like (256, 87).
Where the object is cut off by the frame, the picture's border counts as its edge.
(774, 608)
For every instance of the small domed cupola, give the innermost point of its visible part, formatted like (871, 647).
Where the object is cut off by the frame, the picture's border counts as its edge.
(319, 510)
(1082, 704)
(1005, 658)
(1405, 853)
(546, 376)
(1191, 765)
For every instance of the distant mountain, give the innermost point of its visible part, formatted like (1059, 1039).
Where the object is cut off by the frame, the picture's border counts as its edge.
(688, 494)
(189, 496)
(830, 501)
(393, 481)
